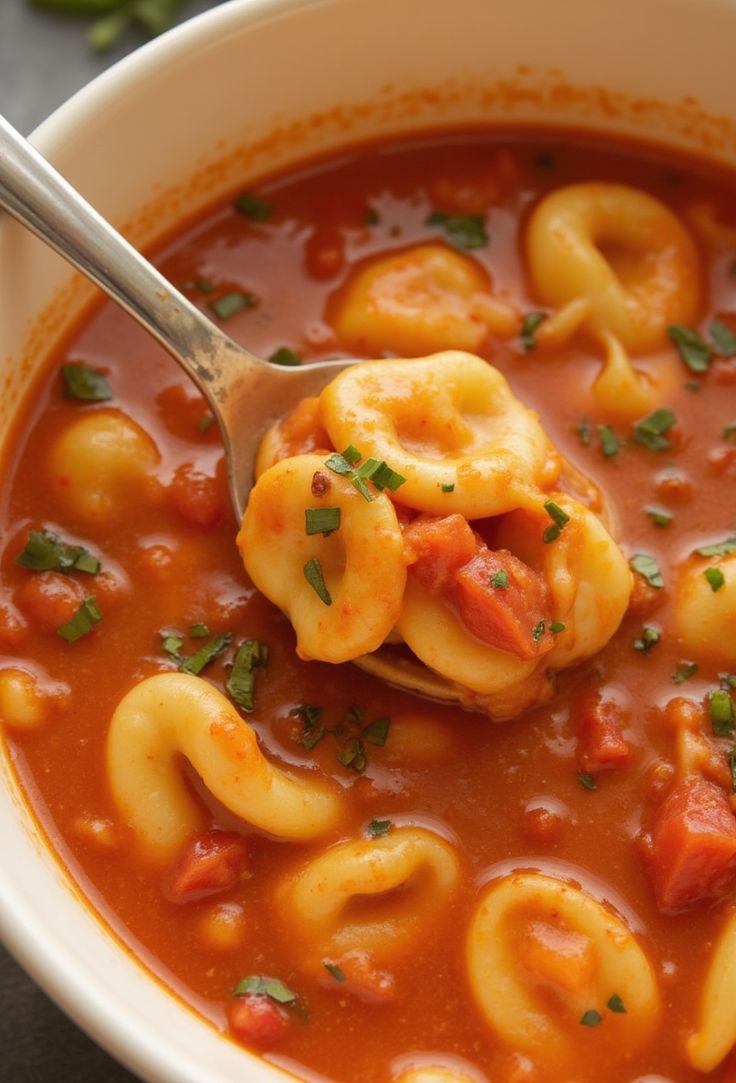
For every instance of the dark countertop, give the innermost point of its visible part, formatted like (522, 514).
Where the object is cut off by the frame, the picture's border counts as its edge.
(44, 59)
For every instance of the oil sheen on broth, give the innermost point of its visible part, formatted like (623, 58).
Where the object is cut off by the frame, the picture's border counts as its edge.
(344, 877)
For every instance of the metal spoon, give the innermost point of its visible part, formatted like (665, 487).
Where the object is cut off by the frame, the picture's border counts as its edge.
(244, 392)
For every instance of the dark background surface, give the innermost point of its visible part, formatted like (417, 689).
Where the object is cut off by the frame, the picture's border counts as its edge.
(44, 59)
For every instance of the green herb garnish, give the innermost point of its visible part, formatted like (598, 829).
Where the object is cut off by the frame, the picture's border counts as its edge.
(720, 549)
(729, 432)
(334, 971)
(375, 470)
(616, 1004)
(659, 516)
(270, 987)
(715, 577)
(529, 325)
(448, 487)
(250, 656)
(591, 1018)
(322, 520)
(198, 631)
(650, 432)
(45, 551)
(610, 443)
(464, 230)
(649, 636)
(723, 337)
(231, 303)
(586, 781)
(315, 578)
(205, 422)
(285, 356)
(692, 347)
(538, 631)
(195, 663)
(85, 383)
(556, 627)
(353, 755)
(83, 621)
(559, 518)
(732, 768)
(647, 567)
(500, 580)
(377, 828)
(720, 708)
(171, 644)
(685, 672)
(252, 206)
(376, 732)
(584, 431)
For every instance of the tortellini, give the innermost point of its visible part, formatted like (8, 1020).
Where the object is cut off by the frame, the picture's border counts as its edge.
(622, 250)
(457, 445)
(175, 714)
(100, 462)
(716, 1033)
(706, 618)
(450, 425)
(422, 299)
(394, 880)
(26, 701)
(540, 954)
(361, 563)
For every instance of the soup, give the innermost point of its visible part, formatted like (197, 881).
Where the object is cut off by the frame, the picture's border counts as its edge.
(359, 883)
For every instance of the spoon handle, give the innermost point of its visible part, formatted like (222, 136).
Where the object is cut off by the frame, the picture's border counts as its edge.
(39, 197)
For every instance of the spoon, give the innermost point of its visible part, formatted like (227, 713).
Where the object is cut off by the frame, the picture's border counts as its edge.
(244, 392)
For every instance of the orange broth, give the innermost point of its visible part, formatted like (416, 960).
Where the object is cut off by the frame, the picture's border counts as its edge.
(171, 562)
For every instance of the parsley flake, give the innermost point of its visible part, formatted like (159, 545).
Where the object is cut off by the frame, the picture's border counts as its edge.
(691, 346)
(645, 565)
(377, 732)
(315, 578)
(45, 551)
(720, 549)
(464, 230)
(529, 325)
(285, 356)
(591, 1018)
(720, 709)
(650, 431)
(538, 631)
(685, 672)
(732, 768)
(231, 303)
(659, 516)
(616, 1004)
(715, 577)
(500, 580)
(83, 621)
(250, 656)
(586, 781)
(723, 338)
(556, 627)
(334, 971)
(377, 828)
(195, 663)
(261, 986)
(648, 638)
(252, 206)
(559, 518)
(610, 443)
(85, 383)
(323, 521)
(584, 431)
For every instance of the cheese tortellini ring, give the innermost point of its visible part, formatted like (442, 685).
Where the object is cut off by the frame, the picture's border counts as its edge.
(368, 895)
(447, 420)
(624, 393)
(173, 715)
(540, 952)
(587, 574)
(705, 619)
(362, 562)
(716, 1033)
(24, 705)
(624, 251)
(438, 1072)
(101, 462)
(423, 299)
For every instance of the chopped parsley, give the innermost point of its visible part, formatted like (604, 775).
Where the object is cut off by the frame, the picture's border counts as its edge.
(285, 356)
(377, 828)
(500, 580)
(350, 735)
(323, 521)
(334, 971)
(231, 303)
(720, 709)
(45, 551)
(648, 638)
(352, 754)
(252, 206)
(464, 230)
(645, 565)
(538, 631)
(271, 987)
(250, 656)
(732, 768)
(559, 518)
(556, 627)
(171, 644)
(591, 1018)
(315, 578)
(312, 732)
(584, 431)
(376, 732)
(616, 1004)
(586, 781)
(198, 631)
(195, 663)
(529, 325)
(720, 549)
(375, 470)
(685, 672)
(715, 577)
(650, 431)
(723, 338)
(610, 443)
(448, 487)
(729, 431)
(692, 347)
(205, 422)
(83, 621)
(85, 383)
(659, 516)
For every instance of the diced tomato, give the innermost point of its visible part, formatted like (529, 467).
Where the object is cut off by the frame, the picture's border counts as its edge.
(50, 599)
(693, 845)
(256, 1020)
(208, 864)
(199, 498)
(437, 547)
(364, 979)
(514, 618)
(558, 957)
(722, 461)
(601, 744)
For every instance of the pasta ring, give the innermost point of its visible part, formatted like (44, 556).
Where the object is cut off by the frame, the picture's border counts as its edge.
(716, 1033)
(623, 250)
(362, 562)
(175, 714)
(705, 619)
(450, 425)
(424, 298)
(321, 895)
(506, 980)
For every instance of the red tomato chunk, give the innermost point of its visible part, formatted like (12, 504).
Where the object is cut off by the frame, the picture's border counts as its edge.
(693, 845)
(209, 864)
(601, 742)
(256, 1020)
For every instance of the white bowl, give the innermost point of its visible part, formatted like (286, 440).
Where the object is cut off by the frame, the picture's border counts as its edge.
(251, 85)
